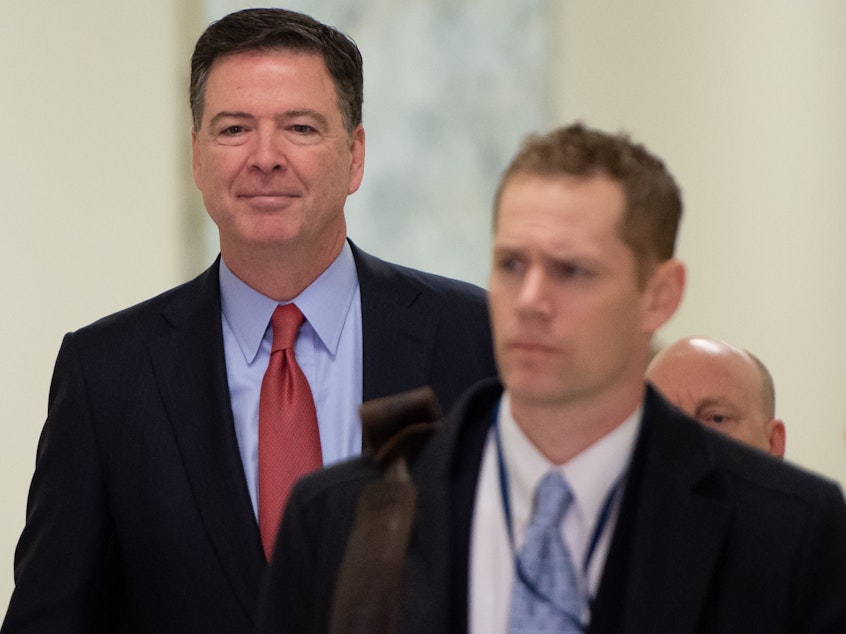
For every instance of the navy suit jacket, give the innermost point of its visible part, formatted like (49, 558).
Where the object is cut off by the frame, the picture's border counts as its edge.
(712, 536)
(139, 518)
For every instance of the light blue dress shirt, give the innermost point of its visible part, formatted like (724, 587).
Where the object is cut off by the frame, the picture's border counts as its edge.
(328, 349)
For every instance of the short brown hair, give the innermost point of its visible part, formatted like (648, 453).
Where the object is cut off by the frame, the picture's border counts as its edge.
(653, 200)
(279, 29)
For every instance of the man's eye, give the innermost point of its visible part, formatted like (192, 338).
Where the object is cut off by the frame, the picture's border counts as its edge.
(232, 130)
(301, 128)
(509, 264)
(714, 418)
(567, 270)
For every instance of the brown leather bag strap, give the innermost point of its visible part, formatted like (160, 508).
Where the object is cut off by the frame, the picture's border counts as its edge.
(368, 592)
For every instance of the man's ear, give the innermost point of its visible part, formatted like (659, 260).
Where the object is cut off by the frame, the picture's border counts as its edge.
(777, 435)
(663, 294)
(196, 164)
(357, 159)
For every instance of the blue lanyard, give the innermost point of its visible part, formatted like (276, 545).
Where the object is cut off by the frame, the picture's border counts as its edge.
(506, 503)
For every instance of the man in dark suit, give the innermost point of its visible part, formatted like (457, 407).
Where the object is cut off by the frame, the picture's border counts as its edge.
(572, 497)
(142, 515)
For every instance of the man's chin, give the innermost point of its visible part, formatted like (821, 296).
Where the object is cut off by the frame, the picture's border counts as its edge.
(529, 389)
(272, 236)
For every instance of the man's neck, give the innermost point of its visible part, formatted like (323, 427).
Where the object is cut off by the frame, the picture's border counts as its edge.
(562, 431)
(281, 273)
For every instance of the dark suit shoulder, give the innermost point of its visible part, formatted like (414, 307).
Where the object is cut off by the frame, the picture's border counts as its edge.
(684, 440)
(379, 272)
(766, 473)
(766, 497)
(421, 329)
(696, 500)
(111, 355)
(197, 294)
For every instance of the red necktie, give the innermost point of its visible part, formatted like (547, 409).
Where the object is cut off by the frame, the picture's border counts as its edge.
(289, 442)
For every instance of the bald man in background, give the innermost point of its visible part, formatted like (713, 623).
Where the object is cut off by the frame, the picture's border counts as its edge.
(723, 387)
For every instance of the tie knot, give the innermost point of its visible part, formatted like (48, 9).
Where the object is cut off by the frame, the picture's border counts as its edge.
(552, 499)
(285, 322)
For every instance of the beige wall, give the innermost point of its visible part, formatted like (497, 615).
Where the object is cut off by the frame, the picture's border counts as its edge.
(90, 175)
(744, 100)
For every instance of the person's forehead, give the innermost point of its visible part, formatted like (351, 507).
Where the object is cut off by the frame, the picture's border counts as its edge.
(562, 218)
(256, 56)
(729, 363)
(564, 181)
(711, 376)
(283, 79)
(597, 200)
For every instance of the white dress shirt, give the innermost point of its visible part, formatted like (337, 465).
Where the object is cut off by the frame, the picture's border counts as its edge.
(592, 475)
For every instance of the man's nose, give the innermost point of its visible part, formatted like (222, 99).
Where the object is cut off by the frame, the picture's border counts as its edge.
(534, 291)
(269, 152)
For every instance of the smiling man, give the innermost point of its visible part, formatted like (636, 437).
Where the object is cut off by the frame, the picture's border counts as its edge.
(571, 496)
(176, 428)
(725, 388)
(275, 160)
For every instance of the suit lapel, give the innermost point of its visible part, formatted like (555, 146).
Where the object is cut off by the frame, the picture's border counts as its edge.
(670, 532)
(427, 580)
(190, 370)
(396, 340)
(446, 474)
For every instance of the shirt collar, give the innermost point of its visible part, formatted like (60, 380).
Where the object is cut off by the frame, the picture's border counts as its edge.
(325, 304)
(594, 472)
(591, 474)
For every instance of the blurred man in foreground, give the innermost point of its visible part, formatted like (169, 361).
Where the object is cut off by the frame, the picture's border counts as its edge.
(571, 496)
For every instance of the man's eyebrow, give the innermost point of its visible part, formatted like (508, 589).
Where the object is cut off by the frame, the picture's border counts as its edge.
(305, 112)
(318, 117)
(502, 252)
(229, 114)
(713, 401)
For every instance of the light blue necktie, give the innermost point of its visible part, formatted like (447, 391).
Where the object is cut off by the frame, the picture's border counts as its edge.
(546, 596)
